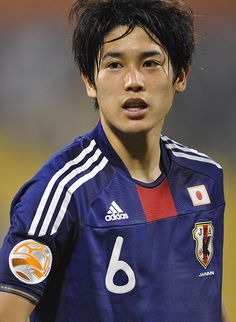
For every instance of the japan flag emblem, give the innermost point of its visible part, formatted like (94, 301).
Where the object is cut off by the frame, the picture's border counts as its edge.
(199, 195)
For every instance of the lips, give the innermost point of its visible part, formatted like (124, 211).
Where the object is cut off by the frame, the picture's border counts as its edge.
(134, 103)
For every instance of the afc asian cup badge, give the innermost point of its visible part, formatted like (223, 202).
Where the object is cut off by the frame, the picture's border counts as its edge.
(30, 261)
(203, 234)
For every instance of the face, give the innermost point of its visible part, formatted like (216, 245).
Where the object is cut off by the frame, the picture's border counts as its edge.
(134, 83)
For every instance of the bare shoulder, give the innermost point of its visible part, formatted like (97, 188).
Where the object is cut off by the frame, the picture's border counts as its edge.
(14, 308)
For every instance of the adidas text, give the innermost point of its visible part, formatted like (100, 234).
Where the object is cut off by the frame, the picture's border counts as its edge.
(114, 217)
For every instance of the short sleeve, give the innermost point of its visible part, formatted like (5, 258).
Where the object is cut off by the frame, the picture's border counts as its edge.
(32, 253)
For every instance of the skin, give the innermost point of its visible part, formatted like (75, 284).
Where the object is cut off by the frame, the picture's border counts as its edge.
(135, 67)
(14, 308)
(134, 134)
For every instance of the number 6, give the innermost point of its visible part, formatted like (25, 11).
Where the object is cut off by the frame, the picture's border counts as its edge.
(114, 266)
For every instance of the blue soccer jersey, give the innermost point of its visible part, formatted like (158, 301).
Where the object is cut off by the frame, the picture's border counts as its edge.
(88, 243)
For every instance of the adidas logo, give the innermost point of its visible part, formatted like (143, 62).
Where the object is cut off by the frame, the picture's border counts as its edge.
(115, 213)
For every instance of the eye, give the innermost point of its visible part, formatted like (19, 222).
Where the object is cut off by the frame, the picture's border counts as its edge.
(151, 64)
(114, 65)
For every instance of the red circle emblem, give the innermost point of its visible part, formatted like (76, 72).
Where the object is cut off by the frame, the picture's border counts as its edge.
(199, 195)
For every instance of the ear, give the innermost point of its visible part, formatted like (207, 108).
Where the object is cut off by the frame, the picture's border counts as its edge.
(90, 88)
(181, 82)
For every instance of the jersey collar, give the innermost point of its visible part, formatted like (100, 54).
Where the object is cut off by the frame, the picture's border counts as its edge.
(99, 136)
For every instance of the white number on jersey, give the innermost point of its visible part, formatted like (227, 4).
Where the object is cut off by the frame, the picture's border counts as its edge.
(114, 266)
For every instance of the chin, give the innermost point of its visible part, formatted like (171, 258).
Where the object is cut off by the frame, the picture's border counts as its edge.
(134, 130)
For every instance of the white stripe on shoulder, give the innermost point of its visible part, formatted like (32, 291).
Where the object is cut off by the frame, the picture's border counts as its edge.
(72, 189)
(185, 149)
(61, 187)
(52, 182)
(167, 139)
(196, 156)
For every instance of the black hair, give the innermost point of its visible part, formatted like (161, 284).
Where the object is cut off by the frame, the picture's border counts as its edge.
(170, 21)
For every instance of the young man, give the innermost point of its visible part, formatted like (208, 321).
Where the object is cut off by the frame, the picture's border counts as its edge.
(124, 224)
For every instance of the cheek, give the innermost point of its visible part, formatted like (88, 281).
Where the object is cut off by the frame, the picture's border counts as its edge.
(106, 79)
(162, 95)
(107, 89)
(163, 90)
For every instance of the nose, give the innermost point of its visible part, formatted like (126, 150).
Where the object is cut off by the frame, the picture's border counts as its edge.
(133, 80)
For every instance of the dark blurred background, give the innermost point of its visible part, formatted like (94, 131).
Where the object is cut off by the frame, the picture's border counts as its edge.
(43, 104)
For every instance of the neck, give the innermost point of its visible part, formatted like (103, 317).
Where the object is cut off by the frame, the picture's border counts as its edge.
(139, 152)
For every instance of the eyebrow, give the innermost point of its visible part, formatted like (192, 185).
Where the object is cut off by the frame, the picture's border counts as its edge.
(143, 55)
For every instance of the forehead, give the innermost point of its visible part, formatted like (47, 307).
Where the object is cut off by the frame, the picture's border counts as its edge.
(136, 40)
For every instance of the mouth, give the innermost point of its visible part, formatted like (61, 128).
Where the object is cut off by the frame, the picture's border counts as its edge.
(134, 104)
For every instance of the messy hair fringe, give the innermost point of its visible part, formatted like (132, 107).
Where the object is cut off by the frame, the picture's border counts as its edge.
(170, 21)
